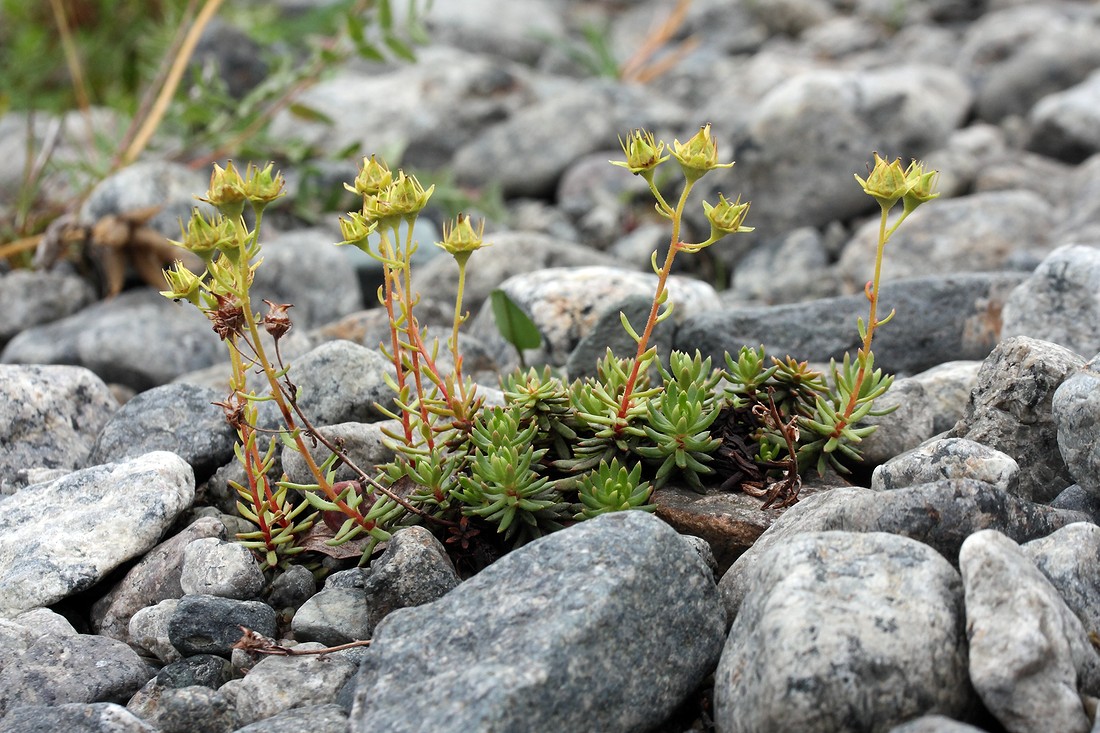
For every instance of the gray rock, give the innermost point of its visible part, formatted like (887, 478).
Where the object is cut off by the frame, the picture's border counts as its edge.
(947, 388)
(52, 414)
(1074, 408)
(332, 617)
(100, 717)
(139, 339)
(362, 443)
(214, 567)
(1030, 658)
(608, 333)
(414, 570)
(947, 458)
(791, 270)
(180, 418)
(330, 718)
(181, 710)
(1018, 55)
(18, 634)
(1067, 557)
(340, 382)
(798, 143)
(148, 630)
(527, 153)
(79, 668)
(63, 537)
(277, 684)
(519, 33)
(171, 186)
(940, 514)
(1077, 499)
(791, 17)
(34, 297)
(1064, 125)
(155, 578)
(1058, 302)
(304, 267)
(1010, 410)
(934, 724)
(583, 665)
(432, 107)
(201, 669)
(843, 631)
(292, 587)
(204, 624)
(976, 233)
(951, 317)
(567, 303)
(1082, 204)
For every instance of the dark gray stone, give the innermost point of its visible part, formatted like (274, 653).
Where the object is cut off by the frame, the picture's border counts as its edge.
(939, 319)
(171, 186)
(100, 717)
(934, 724)
(582, 664)
(608, 333)
(844, 631)
(207, 670)
(414, 570)
(211, 625)
(1066, 125)
(34, 297)
(1010, 410)
(52, 415)
(79, 669)
(180, 418)
(292, 587)
(138, 339)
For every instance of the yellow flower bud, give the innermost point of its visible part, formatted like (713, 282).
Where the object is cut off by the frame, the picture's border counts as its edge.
(698, 155)
(204, 238)
(182, 283)
(726, 217)
(887, 182)
(922, 185)
(643, 153)
(406, 197)
(226, 190)
(461, 239)
(373, 178)
(260, 187)
(355, 230)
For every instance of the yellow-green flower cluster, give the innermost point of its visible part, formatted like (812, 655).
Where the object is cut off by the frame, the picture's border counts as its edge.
(888, 183)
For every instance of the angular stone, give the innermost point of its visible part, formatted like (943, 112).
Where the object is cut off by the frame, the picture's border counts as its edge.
(1058, 302)
(330, 718)
(65, 536)
(52, 414)
(155, 578)
(1010, 410)
(940, 514)
(35, 297)
(1067, 557)
(844, 631)
(211, 625)
(582, 665)
(1030, 658)
(80, 669)
(180, 418)
(340, 382)
(214, 567)
(276, 684)
(1074, 407)
(332, 617)
(183, 709)
(100, 717)
(950, 458)
(414, 570)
